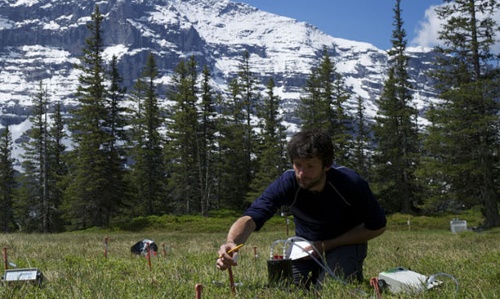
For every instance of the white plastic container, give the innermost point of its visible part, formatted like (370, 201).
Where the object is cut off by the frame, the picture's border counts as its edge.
(399, 280)
(457, 225)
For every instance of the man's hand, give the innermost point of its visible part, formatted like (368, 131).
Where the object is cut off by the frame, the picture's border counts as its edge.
(317, 249)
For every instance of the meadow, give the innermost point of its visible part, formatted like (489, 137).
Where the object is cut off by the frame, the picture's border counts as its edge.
(77, 264)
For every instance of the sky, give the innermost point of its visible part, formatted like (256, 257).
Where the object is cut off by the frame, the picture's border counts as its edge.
(361, 20)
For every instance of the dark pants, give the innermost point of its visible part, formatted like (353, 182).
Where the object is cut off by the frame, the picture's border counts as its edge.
(346, 263)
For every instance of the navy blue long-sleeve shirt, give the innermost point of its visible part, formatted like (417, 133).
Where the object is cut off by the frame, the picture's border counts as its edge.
(345, 202)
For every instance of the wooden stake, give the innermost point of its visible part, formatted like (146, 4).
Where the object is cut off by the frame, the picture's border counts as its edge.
(231, 281)
(106, 247)
(148, 255)
(6, 263)
(198, 288)
(164, 249)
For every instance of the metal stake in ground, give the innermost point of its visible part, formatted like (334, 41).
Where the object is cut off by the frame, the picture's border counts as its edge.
(231, 281)
(106, 247)
(148, 255)
(164, 249)
(198, 288)
(230, 271)
(5, 261)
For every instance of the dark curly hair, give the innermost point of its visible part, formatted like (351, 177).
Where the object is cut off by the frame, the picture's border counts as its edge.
(309, 144)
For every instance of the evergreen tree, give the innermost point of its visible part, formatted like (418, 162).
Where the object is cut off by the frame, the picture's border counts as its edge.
(342, 123)
(233, 184)
(221, 122)
(40, 195)
(148, 169)
(7, 181)
(87, 194)
(323, 107)
(34, 206)
(396, 132)
(114, 125)
(238, 138)
(466, 121)
(362, 143)
(271, 159)
(206, 144)
(430, 173)
(58, 168)
(249, 100)
(315, 109)
(184, 139)
(116, 121)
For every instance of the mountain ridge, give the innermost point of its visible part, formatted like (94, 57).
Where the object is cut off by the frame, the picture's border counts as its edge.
(41, 40)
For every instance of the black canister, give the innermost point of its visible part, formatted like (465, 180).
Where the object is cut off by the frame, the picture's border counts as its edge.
(279, 272)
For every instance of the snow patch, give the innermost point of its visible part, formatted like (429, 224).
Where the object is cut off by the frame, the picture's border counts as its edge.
(116, 50)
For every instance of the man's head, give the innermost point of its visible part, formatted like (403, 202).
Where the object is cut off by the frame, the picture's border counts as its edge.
(311, 153)
(309, 144)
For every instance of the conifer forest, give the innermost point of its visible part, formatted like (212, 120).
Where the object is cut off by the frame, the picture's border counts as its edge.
(207, 150)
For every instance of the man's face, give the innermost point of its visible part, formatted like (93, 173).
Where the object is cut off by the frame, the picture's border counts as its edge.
(310, 173)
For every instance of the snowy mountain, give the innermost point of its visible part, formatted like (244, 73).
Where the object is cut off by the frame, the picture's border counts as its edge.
(40, 40)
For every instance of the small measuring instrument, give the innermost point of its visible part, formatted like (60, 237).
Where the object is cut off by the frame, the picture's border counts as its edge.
(32, 275)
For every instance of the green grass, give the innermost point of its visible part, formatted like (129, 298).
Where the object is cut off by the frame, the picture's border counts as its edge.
(74, 265)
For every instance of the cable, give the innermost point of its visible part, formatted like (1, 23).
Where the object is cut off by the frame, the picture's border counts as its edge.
(323, 264)
(432, 279)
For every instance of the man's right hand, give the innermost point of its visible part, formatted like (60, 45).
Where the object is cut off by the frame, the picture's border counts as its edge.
(226, 259)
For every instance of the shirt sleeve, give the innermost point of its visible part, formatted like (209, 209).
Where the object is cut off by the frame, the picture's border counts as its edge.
(273, 197)
(373, 214)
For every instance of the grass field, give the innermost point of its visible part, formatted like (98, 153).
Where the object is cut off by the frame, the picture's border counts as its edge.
(74, 265)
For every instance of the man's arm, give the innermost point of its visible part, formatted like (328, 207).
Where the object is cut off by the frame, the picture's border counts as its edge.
(238, 233)
(357, 235)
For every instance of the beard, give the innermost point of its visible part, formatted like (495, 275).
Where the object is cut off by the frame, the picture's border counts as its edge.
(315, 183)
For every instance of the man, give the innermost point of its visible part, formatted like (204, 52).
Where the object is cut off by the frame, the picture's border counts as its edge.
(333, 208)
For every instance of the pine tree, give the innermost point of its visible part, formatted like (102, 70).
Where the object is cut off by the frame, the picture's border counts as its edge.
(42, 180)
(430, 172)
(323, 107)
(249, 101)
(238, 139)
(88, 202)
(232, 165)
(206, 144)
(396, 131)
(466, 122)
(342, 123)
(184, 138)
(7, 181)
(362, 143)
(271, 159)
(58, 168)
(315, 109)
(116, 121)
(114, 125)
(34, 206)
(148, 170)
(219, 150)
